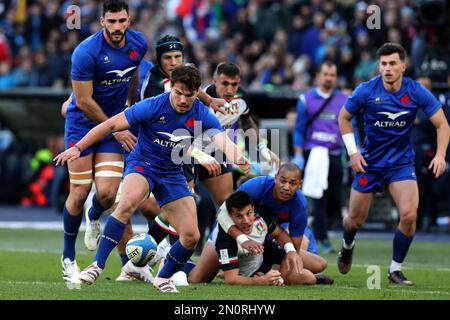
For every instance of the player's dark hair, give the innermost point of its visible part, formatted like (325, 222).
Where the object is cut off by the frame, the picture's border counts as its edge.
(290, 167)
(327, 63)
(114, 6)
(187, 74)
(228, 68)
(166, 44)
(238, 200)
(390, 48)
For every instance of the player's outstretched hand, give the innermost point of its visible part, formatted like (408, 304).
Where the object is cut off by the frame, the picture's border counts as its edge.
(357, 161)
(253, 247)
(437, 165)
(217, 104)
(294, 262)
(126, 139)
(69, 155)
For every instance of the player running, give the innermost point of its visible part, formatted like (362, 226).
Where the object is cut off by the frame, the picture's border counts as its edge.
(389, 102)
(151, 168)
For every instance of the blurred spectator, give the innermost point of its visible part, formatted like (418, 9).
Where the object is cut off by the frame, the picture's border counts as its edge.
(5, 54)
(318, 149)
(24, 74)
(245, 31)
(7, 79)
(366, 68)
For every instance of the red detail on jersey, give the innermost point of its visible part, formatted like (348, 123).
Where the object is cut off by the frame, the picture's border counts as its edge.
(404, 99)
(72, 144)
(139, 168)
(283, 215)
(190, 123)
(133, 55)
(363, 181)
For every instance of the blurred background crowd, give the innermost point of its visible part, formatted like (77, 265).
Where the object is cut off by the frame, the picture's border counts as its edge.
(276, 43)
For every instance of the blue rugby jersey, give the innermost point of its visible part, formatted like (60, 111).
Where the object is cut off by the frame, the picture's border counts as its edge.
(110, 69)
(388, 119)
(162, 130)
(293, 211)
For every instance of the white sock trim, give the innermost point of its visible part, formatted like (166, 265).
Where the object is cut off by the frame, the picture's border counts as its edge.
(395, 266)
(348, 246)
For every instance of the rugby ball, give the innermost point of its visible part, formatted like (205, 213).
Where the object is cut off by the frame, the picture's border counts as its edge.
(141, 249)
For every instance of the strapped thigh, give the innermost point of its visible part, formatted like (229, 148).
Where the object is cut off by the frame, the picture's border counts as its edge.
(83, 177)
(109, 169)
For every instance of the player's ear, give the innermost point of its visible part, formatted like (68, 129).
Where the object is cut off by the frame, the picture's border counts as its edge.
(102, 21)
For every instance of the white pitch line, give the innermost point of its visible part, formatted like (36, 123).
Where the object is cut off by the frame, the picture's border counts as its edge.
(397, 290)
(412, 266)
(33, 250)
(53, 225)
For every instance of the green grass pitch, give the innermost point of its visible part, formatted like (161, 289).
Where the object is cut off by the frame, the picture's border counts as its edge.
(30, 269)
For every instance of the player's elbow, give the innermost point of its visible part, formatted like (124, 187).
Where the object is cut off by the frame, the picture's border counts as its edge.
(344, 117)
(83, 102)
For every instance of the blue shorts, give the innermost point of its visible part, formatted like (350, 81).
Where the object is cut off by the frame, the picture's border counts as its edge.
(106, 145)
(373, 181)
(165, 187)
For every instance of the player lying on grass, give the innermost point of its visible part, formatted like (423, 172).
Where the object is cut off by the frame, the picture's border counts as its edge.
(241, 267)
(282, 198)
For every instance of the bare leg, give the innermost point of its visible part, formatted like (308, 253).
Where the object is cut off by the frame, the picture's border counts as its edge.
(207, 267)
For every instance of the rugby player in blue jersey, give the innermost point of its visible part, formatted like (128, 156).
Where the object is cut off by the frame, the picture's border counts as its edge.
(389, 103)
(103, 77)
(167, 124)
(239, 267)
(281, 196)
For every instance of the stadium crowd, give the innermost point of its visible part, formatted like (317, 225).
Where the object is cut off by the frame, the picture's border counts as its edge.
(36, 45)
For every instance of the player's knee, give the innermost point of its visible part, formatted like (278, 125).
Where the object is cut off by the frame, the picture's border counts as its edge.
(409, 217)
(79, 194)
(355, 223)
(106, 197)
(190, 238)
(322, 264)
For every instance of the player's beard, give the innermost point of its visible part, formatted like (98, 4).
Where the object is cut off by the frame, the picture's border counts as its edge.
(111, 36)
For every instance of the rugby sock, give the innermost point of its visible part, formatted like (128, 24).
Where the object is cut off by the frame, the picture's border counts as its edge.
(173, 239)
(188, 266)
(123, 258)
(401, 245)
(175, 259)
(112, 234)
(349, 238)
(158, 229)
(96, 210)
(71, 227)
(156, 232)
